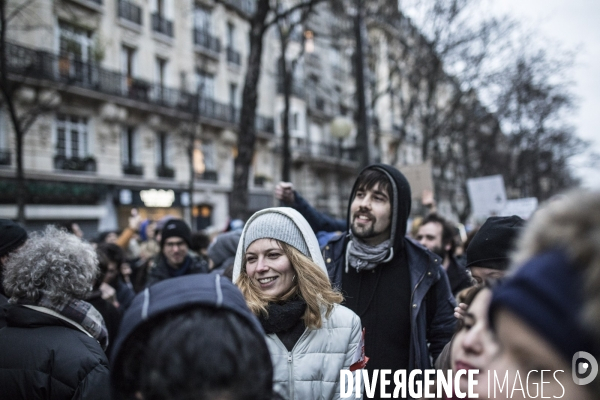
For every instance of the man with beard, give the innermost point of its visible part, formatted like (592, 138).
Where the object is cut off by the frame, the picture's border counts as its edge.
(437, 235)
(398, 289)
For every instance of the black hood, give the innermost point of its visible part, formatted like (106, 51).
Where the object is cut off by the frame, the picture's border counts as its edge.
(173, 294)
(401, 202)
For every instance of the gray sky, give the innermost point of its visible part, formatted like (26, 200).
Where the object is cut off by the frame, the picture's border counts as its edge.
(575, 24)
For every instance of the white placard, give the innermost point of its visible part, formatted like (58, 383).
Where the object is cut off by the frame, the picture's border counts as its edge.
(487, 195)
(523, 208)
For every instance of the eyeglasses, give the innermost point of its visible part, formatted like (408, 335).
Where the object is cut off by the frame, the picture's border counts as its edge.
(180, 243)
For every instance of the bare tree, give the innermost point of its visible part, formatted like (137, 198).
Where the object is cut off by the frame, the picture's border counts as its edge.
(265, 16)
(17, 69)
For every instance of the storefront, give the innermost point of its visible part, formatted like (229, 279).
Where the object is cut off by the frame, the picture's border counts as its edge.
(151, 203)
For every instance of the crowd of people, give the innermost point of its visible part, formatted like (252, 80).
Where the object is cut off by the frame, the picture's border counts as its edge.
(277, 306)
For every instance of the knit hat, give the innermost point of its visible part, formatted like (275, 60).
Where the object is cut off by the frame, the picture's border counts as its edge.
(278, 226)
(222, 250)
(493, 242)
(176, 228)
(546, 293)
(12, 235)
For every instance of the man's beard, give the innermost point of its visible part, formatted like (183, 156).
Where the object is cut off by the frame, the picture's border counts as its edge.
(364, 232)
(439, 251)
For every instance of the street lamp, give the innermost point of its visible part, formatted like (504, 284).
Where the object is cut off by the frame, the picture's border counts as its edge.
(340, 128)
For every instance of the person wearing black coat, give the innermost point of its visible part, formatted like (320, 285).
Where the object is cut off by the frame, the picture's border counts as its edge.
(52, 345)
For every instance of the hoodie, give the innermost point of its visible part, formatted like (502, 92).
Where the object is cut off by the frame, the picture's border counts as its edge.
(413, 276)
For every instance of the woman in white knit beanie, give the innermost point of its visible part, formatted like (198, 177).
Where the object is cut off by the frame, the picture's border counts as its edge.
(280, 270)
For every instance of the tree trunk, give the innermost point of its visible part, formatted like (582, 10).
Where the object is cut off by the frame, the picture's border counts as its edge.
(286, 173)
(238, 203)
(8, 94)
(362, 134)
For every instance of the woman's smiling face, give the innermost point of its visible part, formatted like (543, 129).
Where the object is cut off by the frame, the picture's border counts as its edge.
(269, 268)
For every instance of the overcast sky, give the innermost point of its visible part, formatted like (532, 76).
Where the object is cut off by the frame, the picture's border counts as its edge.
(575, 23)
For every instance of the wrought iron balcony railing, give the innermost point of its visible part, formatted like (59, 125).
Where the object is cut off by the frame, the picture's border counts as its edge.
(162, 25)
(69, 71)
(211, 176)
(297, 89)
(246, 7)
(87, 164)
(133, 169)
(164, 171)
(321, 150)
(130, 12)
(233, 56)
(207, 41)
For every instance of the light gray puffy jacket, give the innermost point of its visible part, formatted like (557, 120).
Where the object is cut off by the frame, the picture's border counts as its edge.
(311, 371)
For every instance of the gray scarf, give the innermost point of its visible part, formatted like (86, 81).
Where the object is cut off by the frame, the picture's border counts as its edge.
(361, 256)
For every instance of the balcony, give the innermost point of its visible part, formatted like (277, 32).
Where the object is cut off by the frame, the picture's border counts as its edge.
(130, 12)
(87, 164)
(297, 89)
(162, 25)
(5, 157)
(233, 56)
(133, 169)
(206, 41)
(210, 176)
(245, 7)
(328, 153)
(163, 171)
(70, 72)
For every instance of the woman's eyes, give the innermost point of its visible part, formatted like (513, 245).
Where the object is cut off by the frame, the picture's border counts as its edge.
(273, 255)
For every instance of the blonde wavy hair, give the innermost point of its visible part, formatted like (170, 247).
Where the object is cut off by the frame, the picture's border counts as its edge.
(311, 283)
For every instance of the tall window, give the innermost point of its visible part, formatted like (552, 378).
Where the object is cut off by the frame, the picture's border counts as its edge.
(160, 71)
(230, 35)
(202, 19)
(74, 42)
(129, 146)
(162, 150)
(71, 136)
(204, 157)
(232, 95)
(205, 83)
(128, 61)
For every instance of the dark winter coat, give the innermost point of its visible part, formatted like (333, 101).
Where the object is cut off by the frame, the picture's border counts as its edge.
(161, 270)
(45, 357)
(432, 304)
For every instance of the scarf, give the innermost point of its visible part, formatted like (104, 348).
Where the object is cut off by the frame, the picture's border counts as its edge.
(78, 311)
(182, 270)
(283, 316)
(363, 257)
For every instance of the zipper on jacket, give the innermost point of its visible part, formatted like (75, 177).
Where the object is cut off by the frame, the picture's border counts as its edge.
(290, 373)
(417, 350)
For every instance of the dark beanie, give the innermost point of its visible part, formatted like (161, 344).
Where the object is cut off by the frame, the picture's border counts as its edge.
(176, 228)
(12, 235)
(546, 294)
(491, 245)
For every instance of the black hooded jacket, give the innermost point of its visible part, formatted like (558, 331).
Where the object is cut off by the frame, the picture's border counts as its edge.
(431, 305)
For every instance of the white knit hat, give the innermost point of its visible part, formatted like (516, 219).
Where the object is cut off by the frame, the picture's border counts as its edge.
(277, 226)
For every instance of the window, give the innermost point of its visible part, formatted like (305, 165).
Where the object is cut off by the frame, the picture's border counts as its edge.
(128, 60)
(129, 146)
(202, 19)
(205, 84)
(74, 42)
(204, 160)
(162, 150)
(230, 35)
(232, 94)
(160, 71)
(71, 136)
